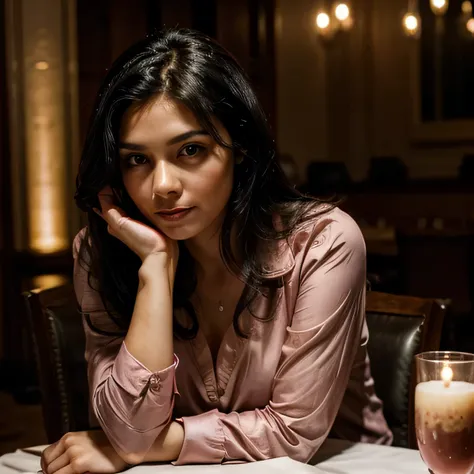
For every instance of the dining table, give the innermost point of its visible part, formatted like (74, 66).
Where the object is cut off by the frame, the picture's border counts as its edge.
(333, 457)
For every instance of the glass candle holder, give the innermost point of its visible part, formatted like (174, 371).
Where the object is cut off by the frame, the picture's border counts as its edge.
(444, 411)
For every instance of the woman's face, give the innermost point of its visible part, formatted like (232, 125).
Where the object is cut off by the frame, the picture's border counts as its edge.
(178, 176)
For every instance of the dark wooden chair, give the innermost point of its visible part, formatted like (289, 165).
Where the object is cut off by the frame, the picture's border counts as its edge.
(59, 342)
(399, 328)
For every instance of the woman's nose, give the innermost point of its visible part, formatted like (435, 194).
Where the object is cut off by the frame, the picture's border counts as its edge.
(166, 180)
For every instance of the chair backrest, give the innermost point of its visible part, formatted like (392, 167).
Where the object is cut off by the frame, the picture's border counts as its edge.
(399, 328)
(59, 343)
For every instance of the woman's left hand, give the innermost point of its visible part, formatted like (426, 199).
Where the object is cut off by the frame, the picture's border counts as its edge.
(80, 452)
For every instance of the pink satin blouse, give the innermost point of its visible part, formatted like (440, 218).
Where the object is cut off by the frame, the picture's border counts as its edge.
(279, 392)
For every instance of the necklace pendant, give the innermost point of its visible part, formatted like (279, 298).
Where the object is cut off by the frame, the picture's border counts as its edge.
(221, 307)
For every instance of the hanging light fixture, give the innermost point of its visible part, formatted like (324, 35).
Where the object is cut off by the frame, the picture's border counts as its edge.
(466, 20)
(470, 26)
(411, 21)
(439, 7)
(411, 24)
(466, 8)
(325, 25)
(342, 13)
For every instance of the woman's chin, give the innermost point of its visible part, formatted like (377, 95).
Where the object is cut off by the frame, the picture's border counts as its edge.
(179, 233)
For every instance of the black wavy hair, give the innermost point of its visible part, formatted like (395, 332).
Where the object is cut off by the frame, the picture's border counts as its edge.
(193, 69)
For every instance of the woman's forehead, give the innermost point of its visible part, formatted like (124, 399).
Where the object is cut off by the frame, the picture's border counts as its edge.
(157, 112)
(160, 119)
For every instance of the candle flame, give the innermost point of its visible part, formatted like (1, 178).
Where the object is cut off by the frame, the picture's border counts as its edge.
(447, 375)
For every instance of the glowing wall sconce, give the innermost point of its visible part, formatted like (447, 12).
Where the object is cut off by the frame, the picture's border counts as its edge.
(42, 70)
(343, 14)
(412, 24)
(439, 7)
(328, 22)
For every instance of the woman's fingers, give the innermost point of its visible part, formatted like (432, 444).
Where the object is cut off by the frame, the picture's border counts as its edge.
(51, 453)
(106, 198)
(137, 236)
(113, 215)
(106, 201)
(58, 463)
(70, 469)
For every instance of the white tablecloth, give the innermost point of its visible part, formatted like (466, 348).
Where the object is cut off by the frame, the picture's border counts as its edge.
(334, 457)
(342, 457)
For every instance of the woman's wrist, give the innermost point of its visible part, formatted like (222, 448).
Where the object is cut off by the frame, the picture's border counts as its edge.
(156, 266)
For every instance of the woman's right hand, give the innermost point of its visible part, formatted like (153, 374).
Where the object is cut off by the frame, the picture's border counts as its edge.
(138, 237)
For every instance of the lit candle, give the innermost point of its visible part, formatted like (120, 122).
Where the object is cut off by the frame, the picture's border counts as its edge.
(447, 375)
(444, 411)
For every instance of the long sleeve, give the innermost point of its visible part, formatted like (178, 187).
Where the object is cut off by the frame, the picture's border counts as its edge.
(131, 404)
(317, 356)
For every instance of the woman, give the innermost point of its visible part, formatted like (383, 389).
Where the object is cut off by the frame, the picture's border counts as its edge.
(224, 312)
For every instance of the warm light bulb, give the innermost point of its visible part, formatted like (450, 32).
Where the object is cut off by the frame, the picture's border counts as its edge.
(322, 21)
(342, 12)
(438, 3)
(470, 26)
(42, 65)
(466, 7)
(411, 24)
(447, 375)
(439, 7)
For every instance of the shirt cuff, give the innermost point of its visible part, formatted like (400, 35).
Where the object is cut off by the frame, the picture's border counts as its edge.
(203, 439)
(135, 378)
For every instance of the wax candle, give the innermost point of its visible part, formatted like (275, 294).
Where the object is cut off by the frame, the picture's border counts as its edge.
(444, 412)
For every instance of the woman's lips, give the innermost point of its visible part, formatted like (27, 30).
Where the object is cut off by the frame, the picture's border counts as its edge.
(174, 216)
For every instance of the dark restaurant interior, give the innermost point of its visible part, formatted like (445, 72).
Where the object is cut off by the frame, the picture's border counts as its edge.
(374, 109)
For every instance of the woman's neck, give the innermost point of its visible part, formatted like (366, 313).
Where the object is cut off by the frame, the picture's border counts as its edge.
(206, 254)
(205, 250)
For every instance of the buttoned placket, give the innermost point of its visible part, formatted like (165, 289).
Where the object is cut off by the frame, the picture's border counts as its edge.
(216, 378)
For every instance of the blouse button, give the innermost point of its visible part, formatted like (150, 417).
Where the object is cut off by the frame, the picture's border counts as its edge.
(220, 391)
(154, 382)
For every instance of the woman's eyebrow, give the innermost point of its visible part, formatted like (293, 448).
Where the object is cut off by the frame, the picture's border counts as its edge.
(172, 141)
(186, 136)
(132, 146)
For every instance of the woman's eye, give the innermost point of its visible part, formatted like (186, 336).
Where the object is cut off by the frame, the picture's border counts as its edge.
(136, 160)
(191, 150)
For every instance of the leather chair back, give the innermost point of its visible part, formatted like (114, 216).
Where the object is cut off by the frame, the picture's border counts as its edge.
(399, 328)
(59, 343)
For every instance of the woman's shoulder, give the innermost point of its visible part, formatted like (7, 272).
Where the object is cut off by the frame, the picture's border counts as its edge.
(330, 228)
(325, 230)
(85, 285)
(77, 243)
(82, 260)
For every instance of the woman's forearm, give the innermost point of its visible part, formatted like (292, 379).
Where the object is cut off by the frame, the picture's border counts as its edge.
(150, 335)
(168, 444)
